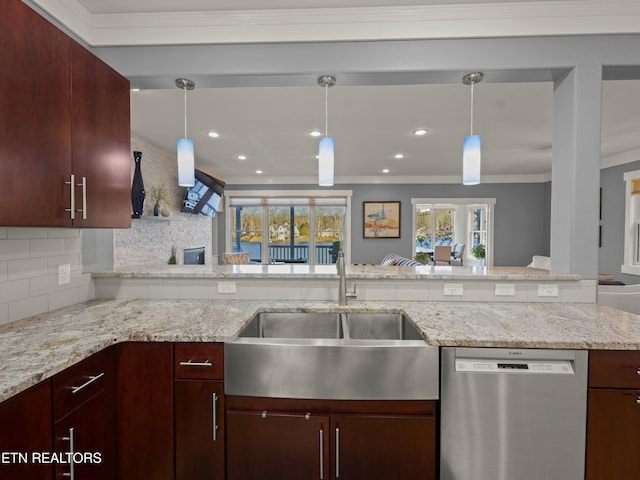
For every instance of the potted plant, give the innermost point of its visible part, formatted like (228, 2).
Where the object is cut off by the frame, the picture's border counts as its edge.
(158, 195)
(422, 257)
(172, 258)
(479, 252)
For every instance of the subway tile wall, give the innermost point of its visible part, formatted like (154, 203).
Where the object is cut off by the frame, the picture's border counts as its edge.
(29, 259)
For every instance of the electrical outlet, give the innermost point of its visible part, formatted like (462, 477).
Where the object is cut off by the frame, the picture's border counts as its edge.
(505, 290)
(547, 290)
(226, 287)
(453, 289)
(64, 274)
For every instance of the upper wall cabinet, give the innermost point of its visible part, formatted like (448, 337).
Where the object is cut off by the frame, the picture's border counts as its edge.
(63, 114)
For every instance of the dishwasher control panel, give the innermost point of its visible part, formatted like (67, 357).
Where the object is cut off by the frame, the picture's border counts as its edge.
(486, 365)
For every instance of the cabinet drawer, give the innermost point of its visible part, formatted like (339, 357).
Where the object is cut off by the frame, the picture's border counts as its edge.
(199, 360)
(77, 384)
(614, 369)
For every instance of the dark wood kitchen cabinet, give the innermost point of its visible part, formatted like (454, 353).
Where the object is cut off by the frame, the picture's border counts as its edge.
(84, 418)
(63, 112)
(144, 404)
(26, 428)
(335, 439)
(613, 419)
(384, 447)
(199, 411)
(283, 445)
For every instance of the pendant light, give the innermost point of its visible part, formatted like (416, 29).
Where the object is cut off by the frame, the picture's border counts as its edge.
(471, 147)
(186, 162)
(325, 145)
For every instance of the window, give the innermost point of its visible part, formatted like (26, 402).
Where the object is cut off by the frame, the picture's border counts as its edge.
(631, 264)
(453, 220)
(288, 227)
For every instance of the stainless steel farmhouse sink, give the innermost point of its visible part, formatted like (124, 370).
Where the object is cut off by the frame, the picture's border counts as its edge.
(332, 355)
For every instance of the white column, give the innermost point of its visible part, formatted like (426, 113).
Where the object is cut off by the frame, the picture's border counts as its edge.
(575, 177)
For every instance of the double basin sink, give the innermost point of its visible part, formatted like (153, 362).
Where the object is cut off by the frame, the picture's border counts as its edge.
(332, 355)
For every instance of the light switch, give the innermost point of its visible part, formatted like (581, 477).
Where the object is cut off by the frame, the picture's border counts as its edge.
(226, 287)
(505, 290)
(547, 290)
(453, 289)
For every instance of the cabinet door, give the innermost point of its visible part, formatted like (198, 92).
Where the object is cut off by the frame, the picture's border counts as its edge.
(277, 445)
(145, 411)
(35, 119)
(88, 433)
(612, 430)
(383, 447)
(26, 427)
(101, 141)
(199, 420)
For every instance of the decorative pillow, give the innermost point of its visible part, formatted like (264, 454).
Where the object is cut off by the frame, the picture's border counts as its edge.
(389, 259)
(539, 261)
(407, 262)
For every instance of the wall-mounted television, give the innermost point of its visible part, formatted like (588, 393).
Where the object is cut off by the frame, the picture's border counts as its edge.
(204, 197)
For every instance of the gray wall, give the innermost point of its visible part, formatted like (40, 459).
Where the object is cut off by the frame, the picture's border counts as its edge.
(521, 217)
(611, 254)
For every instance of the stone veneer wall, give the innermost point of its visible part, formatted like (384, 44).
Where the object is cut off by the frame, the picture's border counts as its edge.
(149, 241)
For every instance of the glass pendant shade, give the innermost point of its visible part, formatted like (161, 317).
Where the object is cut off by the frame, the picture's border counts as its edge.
(471, 160)
(325, 162)
(186, 164)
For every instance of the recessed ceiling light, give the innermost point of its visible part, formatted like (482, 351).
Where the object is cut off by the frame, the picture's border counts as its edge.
(258, 172)
(385, 170)
(242, 157)
(213, 134)
(315, 133)
(398, 156)
(420, 131)
(137, 90)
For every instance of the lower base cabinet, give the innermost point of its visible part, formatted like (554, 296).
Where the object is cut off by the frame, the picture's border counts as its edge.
(200, 430)
(331, 441)
(383, 447)
(277, 445)
(613, 418)
(26, 428)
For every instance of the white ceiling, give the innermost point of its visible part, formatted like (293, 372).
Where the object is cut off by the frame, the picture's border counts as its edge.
(370, 124)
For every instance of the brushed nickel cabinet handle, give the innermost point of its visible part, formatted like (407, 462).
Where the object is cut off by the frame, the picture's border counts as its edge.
(72, 209)
(84, 198)
(189, 363)
(214, 421)
(321, 455)
(71, 472)
(92, 379)
(337, 452)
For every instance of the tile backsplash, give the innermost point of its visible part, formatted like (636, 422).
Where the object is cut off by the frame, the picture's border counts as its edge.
(29, 259)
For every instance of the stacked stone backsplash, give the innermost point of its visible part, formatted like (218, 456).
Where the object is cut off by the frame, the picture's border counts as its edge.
(149, 241)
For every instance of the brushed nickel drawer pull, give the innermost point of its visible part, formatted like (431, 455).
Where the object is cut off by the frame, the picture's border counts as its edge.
(92, 379)
(638, 400)
(190, 363)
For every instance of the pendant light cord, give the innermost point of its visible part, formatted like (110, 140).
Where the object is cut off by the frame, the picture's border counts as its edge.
(185, 110)
(326, 111)
(472, 83)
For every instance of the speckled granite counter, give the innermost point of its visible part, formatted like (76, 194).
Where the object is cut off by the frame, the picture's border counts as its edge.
(371, 272)
(38, 347)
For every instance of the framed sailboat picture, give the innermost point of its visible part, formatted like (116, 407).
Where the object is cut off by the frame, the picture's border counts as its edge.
(381, 219)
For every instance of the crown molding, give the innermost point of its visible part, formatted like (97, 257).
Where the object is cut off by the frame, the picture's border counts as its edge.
(382, 180)
(534, 18)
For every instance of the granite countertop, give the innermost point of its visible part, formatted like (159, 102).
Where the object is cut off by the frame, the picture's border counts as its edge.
(38, 347)
(372, 272)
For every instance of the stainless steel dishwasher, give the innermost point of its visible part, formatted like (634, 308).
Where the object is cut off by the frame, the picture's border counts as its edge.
(512, 414)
